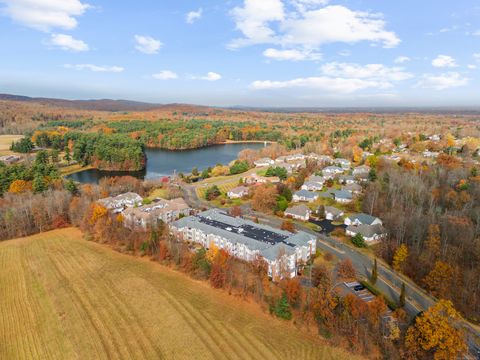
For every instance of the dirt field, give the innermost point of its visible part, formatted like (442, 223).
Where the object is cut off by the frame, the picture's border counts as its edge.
(62, 297)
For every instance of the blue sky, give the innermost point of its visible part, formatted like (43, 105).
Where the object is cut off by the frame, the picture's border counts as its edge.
(244, 52)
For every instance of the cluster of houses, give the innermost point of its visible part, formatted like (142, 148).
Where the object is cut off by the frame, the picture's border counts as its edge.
(284, 252)
(10, 159)
(252, 179)
(137, 215)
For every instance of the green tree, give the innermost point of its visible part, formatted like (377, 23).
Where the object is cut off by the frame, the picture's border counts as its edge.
(71, 187)
(401, 300)
(359, 241)
(54, 155)
(24, 145)
(205, 174)
(195, 171)
(282, 308)
(212, 193)
(68, 157)
(39, 184)
(374, 276)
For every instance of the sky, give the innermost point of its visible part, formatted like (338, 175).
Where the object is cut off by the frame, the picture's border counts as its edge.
(270, 53)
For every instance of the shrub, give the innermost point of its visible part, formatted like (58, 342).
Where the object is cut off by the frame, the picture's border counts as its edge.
(358, 241)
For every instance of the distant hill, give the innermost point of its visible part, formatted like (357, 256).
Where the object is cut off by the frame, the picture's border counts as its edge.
(96, 105)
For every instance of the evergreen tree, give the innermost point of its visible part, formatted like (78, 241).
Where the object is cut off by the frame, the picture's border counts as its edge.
(39, 185)
(402, 295)
(67, 155)
(374, 277)
(71, 187)
(282, 308)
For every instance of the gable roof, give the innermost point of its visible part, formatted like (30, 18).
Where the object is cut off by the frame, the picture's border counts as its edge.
(367, 231)
(300, 210)
(363, 218)
(306, 194)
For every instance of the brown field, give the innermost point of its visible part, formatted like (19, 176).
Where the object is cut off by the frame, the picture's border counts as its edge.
(6, 141)
(62, 297)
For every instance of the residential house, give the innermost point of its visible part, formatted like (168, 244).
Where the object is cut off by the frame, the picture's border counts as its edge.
(370, 233)
(332, 170)
(362, 219)
(317, 179)
(353, 188)
(361, 170)
(299, 212)
(257, 179)
(347, 179)
(342, 196)
(344, 163)
(283, 251)
(263, 162)
(238, 192)
(430, 154)
(312, 186)
(159, 210)
(305, 195)
(120, 202)
(332, 213)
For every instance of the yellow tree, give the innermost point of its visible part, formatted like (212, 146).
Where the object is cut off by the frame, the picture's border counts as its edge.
(19, 186)
(436, 332)
(212, 252)
(440, 279)
(98, 212)
(399, 257)
(433, 242)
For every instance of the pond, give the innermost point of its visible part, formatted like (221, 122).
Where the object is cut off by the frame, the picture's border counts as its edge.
(163, 162)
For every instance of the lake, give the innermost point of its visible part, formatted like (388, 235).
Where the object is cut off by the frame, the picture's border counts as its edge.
(163, 162)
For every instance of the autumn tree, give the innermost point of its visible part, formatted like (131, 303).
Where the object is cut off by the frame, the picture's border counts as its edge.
(220, 268)
(293, 291)
(346, 270)
(437, 333)
(264, 198)
(19, 186)
(288, 225)
(399, 257)
(440, 279)
(236, 211)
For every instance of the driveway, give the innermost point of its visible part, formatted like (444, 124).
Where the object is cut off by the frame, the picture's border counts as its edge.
(326, 225)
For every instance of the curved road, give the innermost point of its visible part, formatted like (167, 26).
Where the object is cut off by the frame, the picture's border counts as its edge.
(389, 282)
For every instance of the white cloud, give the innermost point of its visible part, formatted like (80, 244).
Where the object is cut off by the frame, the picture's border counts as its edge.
(147, 44)
(95, 68)
(67, 42)
(401, 59)
(323, 83)
(253, 21)
(165, 75)
(211, 76)
(342, 78)
(443, 81)
(472, 66)
(476, 56)
(267, 22)
(443, 61)
(378, 72)
(193, 16)
(45, 15)
(293, 55)
(476, 33)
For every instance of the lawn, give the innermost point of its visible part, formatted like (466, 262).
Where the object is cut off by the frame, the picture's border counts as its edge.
(224, 188)
(63, 297)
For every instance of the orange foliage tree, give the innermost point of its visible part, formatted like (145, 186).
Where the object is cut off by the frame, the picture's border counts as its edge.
(19, 186)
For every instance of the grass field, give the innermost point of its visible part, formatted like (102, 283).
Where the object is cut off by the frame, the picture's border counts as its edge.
(224, 188)
(6, 142)
(62, 297)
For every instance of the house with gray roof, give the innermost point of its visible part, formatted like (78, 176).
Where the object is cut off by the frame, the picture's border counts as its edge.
(246, 240)
(299, 212)
(353, 188)
(305, 195)
(347, 179)
(332, 213)
(149, 215)
(332, 170)
(344, 163)
(370, 233)
(120, 202)
(263, 162)
(238, 192)
(361, 170)
(312, 186)
(342, 196)
(362, 219)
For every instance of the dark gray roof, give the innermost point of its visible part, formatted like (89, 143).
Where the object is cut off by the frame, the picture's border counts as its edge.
(306, 194)
(333, 210)
(273, 252)
(367, 231)
(254, 236)
(342, 194)
(300, 210)
(363, 218)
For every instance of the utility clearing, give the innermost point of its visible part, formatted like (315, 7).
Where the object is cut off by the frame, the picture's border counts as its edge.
(62, 297)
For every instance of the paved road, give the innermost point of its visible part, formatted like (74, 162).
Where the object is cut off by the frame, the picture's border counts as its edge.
(389, 282)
